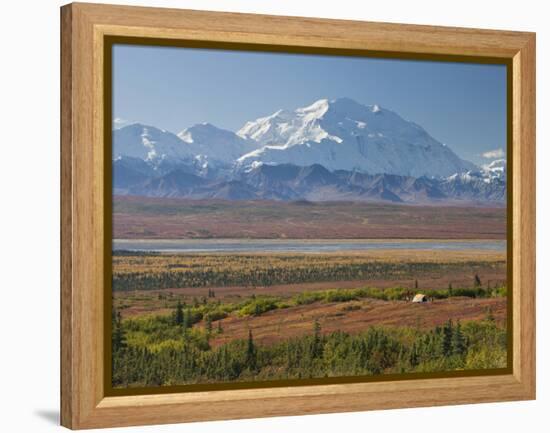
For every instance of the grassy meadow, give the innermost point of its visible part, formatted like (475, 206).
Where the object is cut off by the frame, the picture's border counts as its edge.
(218, 317)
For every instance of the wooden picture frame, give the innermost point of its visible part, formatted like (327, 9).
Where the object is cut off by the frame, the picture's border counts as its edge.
(84, 29)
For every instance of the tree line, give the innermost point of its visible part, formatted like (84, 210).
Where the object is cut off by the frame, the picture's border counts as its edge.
(175, 352)
(267, 273)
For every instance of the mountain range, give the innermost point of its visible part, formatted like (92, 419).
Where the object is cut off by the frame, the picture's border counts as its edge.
(329, 150)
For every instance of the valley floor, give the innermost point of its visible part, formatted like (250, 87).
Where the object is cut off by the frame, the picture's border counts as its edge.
(175, 218)
(230, 317)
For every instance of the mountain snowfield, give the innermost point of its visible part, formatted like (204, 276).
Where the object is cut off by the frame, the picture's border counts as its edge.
(345, 135)
(206, 141)
(202, 142)
(322, 147)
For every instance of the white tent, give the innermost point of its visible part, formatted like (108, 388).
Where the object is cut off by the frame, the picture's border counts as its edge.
(419, 297)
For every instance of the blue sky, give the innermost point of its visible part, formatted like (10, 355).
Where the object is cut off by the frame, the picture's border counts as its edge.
(461, 105)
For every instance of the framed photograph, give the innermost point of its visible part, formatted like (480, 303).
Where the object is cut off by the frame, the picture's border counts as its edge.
(269, 216)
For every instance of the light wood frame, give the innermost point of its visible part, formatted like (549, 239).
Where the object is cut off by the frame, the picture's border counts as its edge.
(83, 400)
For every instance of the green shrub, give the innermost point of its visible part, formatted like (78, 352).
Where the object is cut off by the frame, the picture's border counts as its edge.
(258, 306)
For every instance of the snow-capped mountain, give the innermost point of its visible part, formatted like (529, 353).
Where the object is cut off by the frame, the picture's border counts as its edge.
(485, 184)
(201, 145)
(206, 140)
(148, 144)
(344, 135)
(330, 150)
(495, 169)
(141, 150)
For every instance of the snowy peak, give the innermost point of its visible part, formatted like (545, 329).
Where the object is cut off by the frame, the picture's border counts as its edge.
(337, 134)
(147, 143)
(204, 131)
(324, 119)
(286, 128)
(342, 134)
(207, 140)
(267, 130)
(329, 150)
(495, 169)
(315, 110)
(202, 149)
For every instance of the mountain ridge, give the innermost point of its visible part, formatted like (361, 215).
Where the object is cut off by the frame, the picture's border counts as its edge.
(287, 182)
(344, 134)
(329, 150)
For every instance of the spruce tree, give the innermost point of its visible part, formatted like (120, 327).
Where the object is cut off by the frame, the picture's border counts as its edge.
(208, 325)
(413, 356)
(178, 315)
(257, 309)
(316, 349)
(459, 343)
(118, 336)
(186, 320)
(477, 281)
(446, 342)
(250, 352)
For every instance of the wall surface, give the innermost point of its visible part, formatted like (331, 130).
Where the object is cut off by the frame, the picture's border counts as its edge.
(29, 216)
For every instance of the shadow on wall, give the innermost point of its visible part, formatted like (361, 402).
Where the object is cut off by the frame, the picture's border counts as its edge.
(50, 415)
